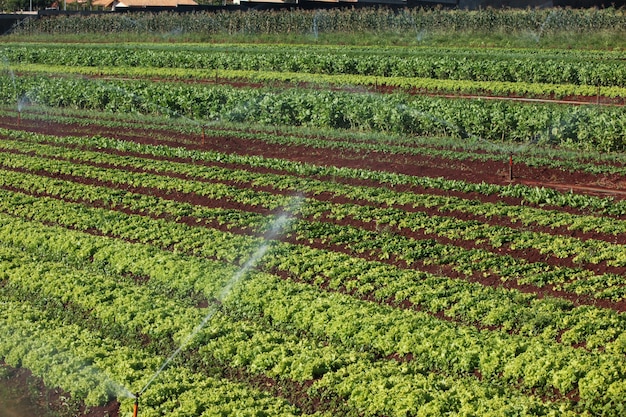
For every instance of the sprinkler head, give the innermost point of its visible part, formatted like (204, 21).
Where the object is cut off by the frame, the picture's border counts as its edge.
(136, 407)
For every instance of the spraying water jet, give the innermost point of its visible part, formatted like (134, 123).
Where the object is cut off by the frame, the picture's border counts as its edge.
(15, 89)
(277, 227)
(22, 102)
(315, 28)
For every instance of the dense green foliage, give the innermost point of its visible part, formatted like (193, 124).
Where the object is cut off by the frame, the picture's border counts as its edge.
(119, 234)
(417, 23)
(553, 67)
(589, 127)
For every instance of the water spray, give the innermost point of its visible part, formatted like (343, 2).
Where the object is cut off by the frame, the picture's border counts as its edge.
(315, 25)
(22, 102)
(279, 225)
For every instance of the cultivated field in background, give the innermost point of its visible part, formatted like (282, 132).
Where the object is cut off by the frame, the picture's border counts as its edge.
(395, 229)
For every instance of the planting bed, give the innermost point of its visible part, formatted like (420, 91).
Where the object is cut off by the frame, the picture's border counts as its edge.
(476, 171)
(235, 250)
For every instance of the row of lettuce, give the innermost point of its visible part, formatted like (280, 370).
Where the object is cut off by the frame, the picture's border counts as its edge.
(586, 127)
(450, 148)
(109, 261)
(313, 174)
(528, 90)
(583, 68)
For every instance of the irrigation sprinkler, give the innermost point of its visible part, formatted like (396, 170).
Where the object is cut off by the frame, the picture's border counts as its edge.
(136, 407)
(19, 118)
(510, 167)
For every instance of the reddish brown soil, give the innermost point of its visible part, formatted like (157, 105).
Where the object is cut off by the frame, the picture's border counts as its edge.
(398, 163)
(35, 398)
(433, 268)
(417, 165)
(295, 393)
(530, 255)
(432, 211)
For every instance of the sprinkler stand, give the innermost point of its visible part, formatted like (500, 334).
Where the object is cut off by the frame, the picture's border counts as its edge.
(510, 167)
(136, 407)
(19, 118)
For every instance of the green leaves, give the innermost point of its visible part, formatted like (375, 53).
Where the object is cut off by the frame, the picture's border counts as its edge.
(388, 113)
(379, 301)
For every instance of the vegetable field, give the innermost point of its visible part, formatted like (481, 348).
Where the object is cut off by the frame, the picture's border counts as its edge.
(292, 230)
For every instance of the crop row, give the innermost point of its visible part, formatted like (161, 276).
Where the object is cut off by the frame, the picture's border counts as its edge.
(414, 23)
(497, 152)
(457, 298)
(94, 368)
(302, 179)
(163, 130)
(476, 150)
(384, 245)
(340, 270)
(435, 86)
(299, 308)
(283, 184)
(528, 195)
(147, 318)
(587, 127)
(577, 68)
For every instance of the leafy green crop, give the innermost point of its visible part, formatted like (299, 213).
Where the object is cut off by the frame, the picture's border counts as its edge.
(390, 298)
(582, 126)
